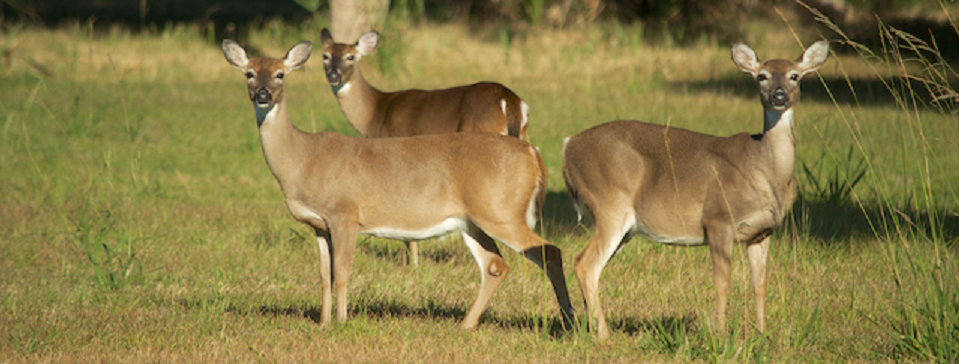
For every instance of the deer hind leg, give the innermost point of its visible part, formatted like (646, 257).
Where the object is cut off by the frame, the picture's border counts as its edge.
(493, 270)
(613, 231)
(549, 258)
(326, 276)
(757, 265)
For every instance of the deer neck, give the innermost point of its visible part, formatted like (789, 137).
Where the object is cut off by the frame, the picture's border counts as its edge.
(359, 100)
(283, 144)
(778, 144)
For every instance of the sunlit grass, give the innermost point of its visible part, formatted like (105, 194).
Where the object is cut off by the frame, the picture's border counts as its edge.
(138, 220)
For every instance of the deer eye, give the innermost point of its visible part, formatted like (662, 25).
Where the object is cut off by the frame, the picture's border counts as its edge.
(349, 57)
(794, 77)
(326, 57)
(279, 75)
(762, 77)
(249, 75)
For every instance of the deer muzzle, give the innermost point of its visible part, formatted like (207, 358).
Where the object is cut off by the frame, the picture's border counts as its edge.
(262, 97)
(779, 98)
(334, 77)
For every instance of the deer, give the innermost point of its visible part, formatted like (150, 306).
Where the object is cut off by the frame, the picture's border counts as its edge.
(485, 106)
(680, 187)
(485, 186)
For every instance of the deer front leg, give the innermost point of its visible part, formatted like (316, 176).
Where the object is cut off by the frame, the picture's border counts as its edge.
(757, 265)
(326, 276)
(344, 245)
(493, 270)
(721, 249)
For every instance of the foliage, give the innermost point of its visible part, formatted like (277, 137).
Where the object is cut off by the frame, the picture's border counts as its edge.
(925, 319)
(836, 188)
(111, 254)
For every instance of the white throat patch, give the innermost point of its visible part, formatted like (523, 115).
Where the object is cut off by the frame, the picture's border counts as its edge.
(343, 90)
(772, 119)
(262, 113)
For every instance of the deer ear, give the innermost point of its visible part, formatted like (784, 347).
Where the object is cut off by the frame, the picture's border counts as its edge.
(367, 42)
(745, 58)
(298, 55)
(326, 38)
(813, 57)
(235, 54)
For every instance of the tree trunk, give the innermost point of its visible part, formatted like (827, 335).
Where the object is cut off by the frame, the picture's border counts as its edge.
(352, 18)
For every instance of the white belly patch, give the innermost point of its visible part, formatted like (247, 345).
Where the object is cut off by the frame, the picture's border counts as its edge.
(667, 239)
(450, 225)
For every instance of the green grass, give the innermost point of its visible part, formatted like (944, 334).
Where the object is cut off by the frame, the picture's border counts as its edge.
(138, 220)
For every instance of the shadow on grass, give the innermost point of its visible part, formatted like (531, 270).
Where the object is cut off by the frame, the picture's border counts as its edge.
(668, 325)
(384, 310)
(433, 310)
(559, 215)
(310, 312)
(833, 224)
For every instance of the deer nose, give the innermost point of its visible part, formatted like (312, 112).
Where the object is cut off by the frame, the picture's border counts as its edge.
(262, 96)
(333, 76)
(779, 98)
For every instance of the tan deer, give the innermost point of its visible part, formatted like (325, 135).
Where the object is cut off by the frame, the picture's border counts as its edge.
(486, 186)
(685, 188)
(485, 106)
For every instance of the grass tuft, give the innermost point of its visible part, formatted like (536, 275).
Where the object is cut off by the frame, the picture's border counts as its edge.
(924, 320)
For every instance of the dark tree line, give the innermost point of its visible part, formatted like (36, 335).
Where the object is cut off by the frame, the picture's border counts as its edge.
(681, 21)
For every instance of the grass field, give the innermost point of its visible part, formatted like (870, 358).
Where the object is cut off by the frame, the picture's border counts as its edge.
(139, 222)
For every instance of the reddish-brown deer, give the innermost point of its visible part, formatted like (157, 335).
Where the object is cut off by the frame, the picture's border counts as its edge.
(685, 188)
(486, 186)
(485, 106)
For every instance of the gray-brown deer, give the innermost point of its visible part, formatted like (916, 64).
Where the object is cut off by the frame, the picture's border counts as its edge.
(685, 188)
(484, 106)
(483, 185)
